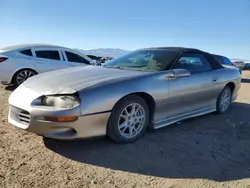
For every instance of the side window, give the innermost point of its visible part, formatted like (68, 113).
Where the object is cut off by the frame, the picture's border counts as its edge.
(48, 54)
(227, 61)
(26, 52)
(194, 63)
(222, 60)
(72, 57)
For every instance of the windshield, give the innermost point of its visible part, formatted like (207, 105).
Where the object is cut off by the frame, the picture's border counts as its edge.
(144, 60)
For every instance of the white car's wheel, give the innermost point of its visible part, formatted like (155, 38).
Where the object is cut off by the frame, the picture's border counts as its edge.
(224, 100)
(23, 75)
(129, 119)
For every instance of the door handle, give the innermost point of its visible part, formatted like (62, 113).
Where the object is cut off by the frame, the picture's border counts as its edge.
(214, 79)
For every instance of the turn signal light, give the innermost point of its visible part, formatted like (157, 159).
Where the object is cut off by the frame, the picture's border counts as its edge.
(61, 119)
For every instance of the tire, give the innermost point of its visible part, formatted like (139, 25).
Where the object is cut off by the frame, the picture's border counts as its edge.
(125, 126)
(225, 95)
(24, 74)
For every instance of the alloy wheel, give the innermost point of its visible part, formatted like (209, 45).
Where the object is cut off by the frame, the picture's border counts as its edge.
(225, 100)
(131, 120)
(23, 75)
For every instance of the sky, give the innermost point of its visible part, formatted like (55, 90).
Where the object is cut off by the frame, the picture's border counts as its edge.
(216, 26)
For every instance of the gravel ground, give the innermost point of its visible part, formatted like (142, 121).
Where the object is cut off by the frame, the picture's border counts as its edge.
(208, 151)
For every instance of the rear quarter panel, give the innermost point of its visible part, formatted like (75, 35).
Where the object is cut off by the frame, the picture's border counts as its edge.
(229, 75)
(15, 63)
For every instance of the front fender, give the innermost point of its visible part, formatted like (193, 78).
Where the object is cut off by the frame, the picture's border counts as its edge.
(103, 97)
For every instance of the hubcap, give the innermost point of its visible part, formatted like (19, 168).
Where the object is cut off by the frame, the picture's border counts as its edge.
(225, 100)
(131, 120)
(24, 75)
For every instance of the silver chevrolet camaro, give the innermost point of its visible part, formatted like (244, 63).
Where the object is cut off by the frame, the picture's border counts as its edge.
(152, 87)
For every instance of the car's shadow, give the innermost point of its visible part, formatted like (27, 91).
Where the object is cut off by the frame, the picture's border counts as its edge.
(213, 147)
(10, 88)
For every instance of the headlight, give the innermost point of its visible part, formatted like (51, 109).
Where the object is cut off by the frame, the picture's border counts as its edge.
(61, 101)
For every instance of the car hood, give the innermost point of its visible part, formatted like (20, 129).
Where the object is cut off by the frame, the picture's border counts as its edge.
(70, 80)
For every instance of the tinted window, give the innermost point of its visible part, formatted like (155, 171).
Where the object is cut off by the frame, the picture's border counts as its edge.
(94, 57)
(48, 54)
(72, 57)
(223, 60)
(194, 63)
(144, 60)
(227, 61)
(27, 52)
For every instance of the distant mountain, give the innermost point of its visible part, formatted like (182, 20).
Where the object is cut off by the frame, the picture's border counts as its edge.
(104, 52)
(237, 59)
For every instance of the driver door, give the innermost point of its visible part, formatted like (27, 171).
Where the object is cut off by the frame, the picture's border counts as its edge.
(198, 91)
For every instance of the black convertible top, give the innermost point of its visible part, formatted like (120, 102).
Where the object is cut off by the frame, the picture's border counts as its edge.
(181, 50)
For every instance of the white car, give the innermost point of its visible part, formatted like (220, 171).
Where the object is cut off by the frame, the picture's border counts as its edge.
(18, 63)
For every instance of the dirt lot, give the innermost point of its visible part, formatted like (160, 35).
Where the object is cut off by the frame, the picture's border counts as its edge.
(209, 151)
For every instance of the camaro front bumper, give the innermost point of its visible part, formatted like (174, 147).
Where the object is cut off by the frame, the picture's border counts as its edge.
(27, 117)
(83, 127)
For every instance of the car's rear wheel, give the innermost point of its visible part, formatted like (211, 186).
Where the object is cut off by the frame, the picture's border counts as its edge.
(224, 100)
(129, 119)
(23, 75)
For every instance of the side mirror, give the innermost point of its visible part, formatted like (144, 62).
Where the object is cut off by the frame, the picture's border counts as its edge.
(178, 73)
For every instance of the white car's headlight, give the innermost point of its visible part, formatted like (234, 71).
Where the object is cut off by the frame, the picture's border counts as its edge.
(61, 101)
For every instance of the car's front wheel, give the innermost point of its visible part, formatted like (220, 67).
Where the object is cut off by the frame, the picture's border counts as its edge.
(129, 119)
(224, 100)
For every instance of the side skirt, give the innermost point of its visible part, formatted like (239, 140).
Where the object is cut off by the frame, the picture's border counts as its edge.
(173, 119)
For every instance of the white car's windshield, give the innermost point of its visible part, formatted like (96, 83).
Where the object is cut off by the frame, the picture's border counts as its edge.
(144, 60)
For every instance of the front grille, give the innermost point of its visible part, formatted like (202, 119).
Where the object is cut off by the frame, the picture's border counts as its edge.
(20, 115)
(24, 117)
